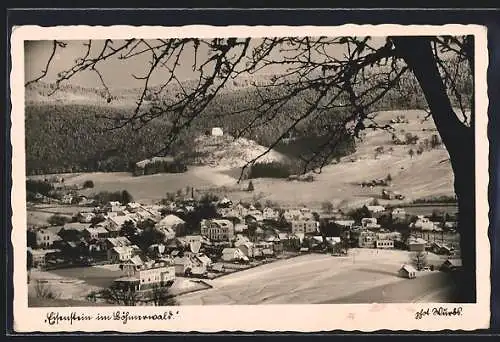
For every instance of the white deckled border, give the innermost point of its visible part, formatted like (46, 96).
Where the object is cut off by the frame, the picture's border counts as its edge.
(304, 318)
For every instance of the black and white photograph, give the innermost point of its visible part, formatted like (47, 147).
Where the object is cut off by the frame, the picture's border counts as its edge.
(270, 168)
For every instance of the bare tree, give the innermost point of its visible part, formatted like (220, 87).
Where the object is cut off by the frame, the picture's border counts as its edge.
(161, 296)
(44, 291)
(419, 259)
(115, 295)
(340, 93)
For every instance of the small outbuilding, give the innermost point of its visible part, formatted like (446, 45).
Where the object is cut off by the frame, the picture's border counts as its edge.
(452, 265)
(407, 271)
(217, 132)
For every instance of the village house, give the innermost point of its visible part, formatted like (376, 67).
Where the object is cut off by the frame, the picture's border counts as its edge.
(451, 265)
(233, 254)
(83, 200)
(69, 250)
(114, 207)
(45, 238)
(333, 240)
(115, 223)
(135, 262)
(263, 249)
(292, 215)
(37, 258)
(97, 233)
(245, 246)
(241, 210)
(305, 227)
(407, 271)
(398, 214)
(270, 214)
(154, 208)
(147, 276)
(217, 229)
(96, 249)
(384, 244)
(315, 242)
(143, 214)
(277, 245)
(370, 223)
(240, 227)
(256, 215)
(120, 254)
(450, 225)
(73, 231)
(156, 250)
(250, 220)
(394, 236)
(67, 199)
(367, 239)
(190, 239)
(169, 224)
(230, 212)
(224, 203)
(346, 224)
(167, 233)
(133, 207)
(375, 210)
(442, 249)
(423, 224)
(191, 264)
(290, 242)
(334, 244)
(416, 245)
(437, 227)
(120, 241)
(204, 259)
(241, 238)
(85, 217)
(198, 265)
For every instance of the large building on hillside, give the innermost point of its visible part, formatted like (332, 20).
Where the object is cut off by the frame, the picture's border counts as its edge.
(147, 275)
(217, 229)
(367, 239)
(305, 226)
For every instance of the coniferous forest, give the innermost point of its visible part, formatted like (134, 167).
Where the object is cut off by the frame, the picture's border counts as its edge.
(71, 138)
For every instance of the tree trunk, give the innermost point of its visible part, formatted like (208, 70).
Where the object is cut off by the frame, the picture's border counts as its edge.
(459, 141)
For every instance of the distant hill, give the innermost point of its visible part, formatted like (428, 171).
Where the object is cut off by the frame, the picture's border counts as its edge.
(228, 152)
(63, 133)
(43, 93)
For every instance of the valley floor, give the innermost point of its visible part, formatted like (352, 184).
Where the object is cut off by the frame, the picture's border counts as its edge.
(366, 276)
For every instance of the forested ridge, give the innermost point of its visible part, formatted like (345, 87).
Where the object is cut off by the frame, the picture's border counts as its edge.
(64, 137)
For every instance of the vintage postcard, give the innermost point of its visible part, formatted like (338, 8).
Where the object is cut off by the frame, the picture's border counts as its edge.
(238, 178)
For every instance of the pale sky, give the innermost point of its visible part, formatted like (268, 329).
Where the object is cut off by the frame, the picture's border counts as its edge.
(118, 73)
